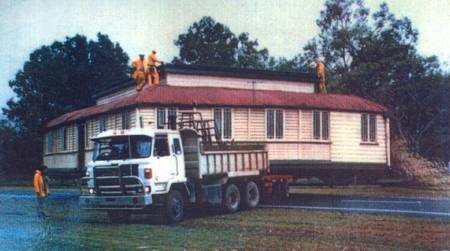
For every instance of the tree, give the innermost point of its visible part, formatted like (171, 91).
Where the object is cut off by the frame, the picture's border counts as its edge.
(343, 28)
(208, 42)
(57, 79)
(379, 61)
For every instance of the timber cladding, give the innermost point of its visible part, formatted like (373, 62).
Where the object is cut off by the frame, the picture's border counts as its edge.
(249, 125)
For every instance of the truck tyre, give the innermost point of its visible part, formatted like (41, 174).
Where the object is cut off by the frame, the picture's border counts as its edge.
(119, 216)
(231, 198)
(174, 207)
(251, 195)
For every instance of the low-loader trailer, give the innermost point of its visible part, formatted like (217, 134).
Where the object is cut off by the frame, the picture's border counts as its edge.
(146, 169)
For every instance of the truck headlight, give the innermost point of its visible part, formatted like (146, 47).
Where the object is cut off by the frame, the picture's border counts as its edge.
(91, 191)
(147, 189)
(87, 174)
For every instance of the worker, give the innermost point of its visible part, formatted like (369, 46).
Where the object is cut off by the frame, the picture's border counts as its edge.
(153, 72)
(320, 71)
(40, 182)
(140, 72)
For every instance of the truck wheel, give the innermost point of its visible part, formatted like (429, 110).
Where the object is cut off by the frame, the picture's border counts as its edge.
(231, 198)
(174, 207)
(119, 216)
(251, 195)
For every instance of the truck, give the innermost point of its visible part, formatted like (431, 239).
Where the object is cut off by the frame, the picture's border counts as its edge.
(165, 170)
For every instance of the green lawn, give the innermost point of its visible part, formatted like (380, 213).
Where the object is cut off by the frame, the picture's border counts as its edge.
(261, 229)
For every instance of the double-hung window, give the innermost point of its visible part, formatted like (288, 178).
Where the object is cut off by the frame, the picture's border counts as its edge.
(49, 142)
(321, 125)
(102, 123)
(126, 120)
(274, 124)
(222, 122)
(368, 128)
(64, 138)
(166, 116)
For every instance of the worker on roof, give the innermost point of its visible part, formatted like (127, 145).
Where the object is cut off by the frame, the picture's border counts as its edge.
(40, 182)
(153, 71)
(140, 72)
(320, 71)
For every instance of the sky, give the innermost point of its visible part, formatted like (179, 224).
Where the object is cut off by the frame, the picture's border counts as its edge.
(282, 26)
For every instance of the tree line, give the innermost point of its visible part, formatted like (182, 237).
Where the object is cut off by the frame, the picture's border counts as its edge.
(372, 55)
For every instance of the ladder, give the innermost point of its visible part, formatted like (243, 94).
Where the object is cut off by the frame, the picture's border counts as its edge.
(205, 128)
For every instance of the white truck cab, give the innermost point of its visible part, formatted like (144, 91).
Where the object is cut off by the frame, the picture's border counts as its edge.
(140, 169)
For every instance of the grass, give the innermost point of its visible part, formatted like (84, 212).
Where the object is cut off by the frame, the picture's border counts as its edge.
(68, 228)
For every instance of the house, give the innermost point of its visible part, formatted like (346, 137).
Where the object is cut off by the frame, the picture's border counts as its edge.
(304, 132)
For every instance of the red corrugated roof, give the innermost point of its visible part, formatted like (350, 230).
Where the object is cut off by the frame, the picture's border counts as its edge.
(212, 96)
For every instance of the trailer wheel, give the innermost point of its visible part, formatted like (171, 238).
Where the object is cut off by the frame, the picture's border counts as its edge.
(251, 195)
(174, 207)
(119, 216)
(231, 198)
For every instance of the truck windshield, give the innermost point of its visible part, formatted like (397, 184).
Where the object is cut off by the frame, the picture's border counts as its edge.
(122, 147)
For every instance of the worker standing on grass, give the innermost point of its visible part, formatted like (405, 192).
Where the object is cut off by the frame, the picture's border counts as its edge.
(153, 72)
(40, 182)
(140, 72)
(320, 71)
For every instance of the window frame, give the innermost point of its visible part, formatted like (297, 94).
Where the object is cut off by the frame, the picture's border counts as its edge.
(102, 123)
(50, 142)
(275, 120)
(222, 111)
(159, 137)
(368, 128)
(175, 146)
(126, 117)
(321, 128)
(165, 111)
(64, 145)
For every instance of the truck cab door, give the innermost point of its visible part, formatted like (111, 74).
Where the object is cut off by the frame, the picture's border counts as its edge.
(166, 169)
(177, 153)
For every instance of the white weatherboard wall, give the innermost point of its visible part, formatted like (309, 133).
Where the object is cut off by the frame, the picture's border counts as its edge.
(248, 124)
(240, 83)
(346, 137)
(64, 160)
(117, 95)
(298, 143)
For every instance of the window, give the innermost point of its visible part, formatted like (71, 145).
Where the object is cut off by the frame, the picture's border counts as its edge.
(86, 134)
(177, 147)
(222, 122)
(64, 138)
(122, 147)
(368, 128)
(321, 125)
(170, 119)
(274, 124)
(126, 120)
(161, 118)
(161, 146)
(141, 122)
(102, 123)
(49, 142)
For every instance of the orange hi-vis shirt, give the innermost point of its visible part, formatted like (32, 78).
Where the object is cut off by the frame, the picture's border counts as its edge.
(153, 59)
(320, 70)
(40, 187)
(139, 66)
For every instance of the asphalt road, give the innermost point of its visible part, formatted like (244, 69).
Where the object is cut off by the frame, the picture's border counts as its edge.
(436, 207)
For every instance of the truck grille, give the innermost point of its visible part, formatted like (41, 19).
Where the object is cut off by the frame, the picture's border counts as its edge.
(117, 180)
